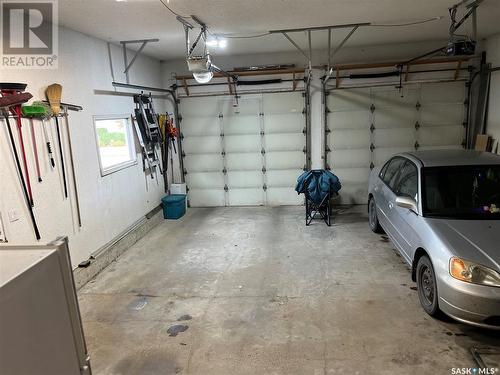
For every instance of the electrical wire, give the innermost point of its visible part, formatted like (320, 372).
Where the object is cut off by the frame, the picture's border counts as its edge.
(408, 23)
(172, 11)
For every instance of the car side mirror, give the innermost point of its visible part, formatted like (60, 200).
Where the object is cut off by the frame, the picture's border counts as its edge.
(408, 203)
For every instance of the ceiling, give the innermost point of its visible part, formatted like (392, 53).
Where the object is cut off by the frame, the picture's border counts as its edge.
(142, 19)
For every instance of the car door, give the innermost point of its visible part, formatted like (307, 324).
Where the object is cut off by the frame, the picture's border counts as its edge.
(384, 195)
(403, 219)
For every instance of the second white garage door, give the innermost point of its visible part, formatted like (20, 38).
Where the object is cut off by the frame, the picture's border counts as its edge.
(245, 155)
(368, 125)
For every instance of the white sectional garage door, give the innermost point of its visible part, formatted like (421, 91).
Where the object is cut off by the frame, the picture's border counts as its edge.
(245, 155)
(368, 125)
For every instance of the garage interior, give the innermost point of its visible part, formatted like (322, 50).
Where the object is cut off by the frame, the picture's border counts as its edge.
(239, 98)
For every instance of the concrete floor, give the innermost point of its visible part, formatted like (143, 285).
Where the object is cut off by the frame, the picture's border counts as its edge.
(267, 295)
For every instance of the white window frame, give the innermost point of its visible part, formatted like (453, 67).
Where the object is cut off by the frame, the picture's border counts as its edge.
(131, 144)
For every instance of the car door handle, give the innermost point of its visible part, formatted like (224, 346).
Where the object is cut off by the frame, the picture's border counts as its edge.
(391, 205)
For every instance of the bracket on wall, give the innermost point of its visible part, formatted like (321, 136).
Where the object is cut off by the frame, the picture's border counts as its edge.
(127, 64)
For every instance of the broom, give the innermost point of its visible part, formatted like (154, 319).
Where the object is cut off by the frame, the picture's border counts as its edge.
(53, 94)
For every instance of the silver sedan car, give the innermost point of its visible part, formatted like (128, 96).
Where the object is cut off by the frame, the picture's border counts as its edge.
(441, 209)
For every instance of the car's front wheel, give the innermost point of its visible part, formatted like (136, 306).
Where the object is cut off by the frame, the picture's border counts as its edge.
(372, 216)
(427, 288)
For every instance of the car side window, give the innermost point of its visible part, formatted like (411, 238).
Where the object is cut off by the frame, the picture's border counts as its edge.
(391, 171)
(407, 185)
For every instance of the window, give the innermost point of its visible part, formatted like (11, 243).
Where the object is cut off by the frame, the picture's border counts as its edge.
(391, 171)
(408, 182)
(115, 143)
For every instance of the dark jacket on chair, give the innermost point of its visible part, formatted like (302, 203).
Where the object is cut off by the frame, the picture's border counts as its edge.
(318, 183)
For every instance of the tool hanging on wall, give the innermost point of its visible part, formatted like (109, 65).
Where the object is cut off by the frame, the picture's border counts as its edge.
(8, 89)
(148, 133)
(6, 103)
(53, 94)
(47, 115)
(31, 112)
(66, 108)
(169, 134)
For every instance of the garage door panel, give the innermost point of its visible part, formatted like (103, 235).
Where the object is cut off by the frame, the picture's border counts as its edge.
(242, 143)
(242, 124)
(200, 126)
(200, 107)
(442, 114)
(440, 136)
(246, 197)
(284, 123)
(284, 160)
(201, 145)
(283, 103)
(244, 179)
(395, 117)
(349, 120)
(353, 193)
(206, 197)
(203, 163)
(349, 158)
(242, 162)
(283, 197)
(349, 99)
(283, 178)
(451, 92)
(394, 137)
(345, 139)
(284, 142)
(206, 180)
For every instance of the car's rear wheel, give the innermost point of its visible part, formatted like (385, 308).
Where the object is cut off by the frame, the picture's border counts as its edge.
(372, 216)
(427, 288)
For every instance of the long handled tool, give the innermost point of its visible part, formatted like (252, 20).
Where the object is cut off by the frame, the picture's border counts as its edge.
(8, 89)
(7, 102)
(41, 111)
(32, 111)
(53, 94)
(73, 167)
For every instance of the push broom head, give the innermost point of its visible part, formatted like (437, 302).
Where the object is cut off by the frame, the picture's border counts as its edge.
(34, 111)
(53, 94)
(12, 100)
(46, 108)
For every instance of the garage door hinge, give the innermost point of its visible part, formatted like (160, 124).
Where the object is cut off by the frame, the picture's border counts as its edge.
(327, 149)
(372, 108)
(327, 130)
(223, 153)
(372, 147)
(187, 190)
(226, 188)
(182, 136)
(464, 124)
(417, 125)
(264, 187)
(183, 154)
(304, 111)
(261, 114)
(224, 171)
(372, 165)
(372, 128)
(418, 105)
(262, 151)
(304, 94)
(328, 167)
(262, 133)
(327, 110)
(327, 93)
(221, 115)
(180, 118)
(304, 150)
(417, 146)
(304, 131)
(221, 135)
(185, 171)
(264, 170)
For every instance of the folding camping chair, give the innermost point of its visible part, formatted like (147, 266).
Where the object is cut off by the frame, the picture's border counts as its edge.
(323, 208)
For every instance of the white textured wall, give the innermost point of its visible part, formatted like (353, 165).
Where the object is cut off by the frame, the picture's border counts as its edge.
(109, 204)
(493, 57)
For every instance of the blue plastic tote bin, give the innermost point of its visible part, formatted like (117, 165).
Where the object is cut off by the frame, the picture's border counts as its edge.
(174, 206)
